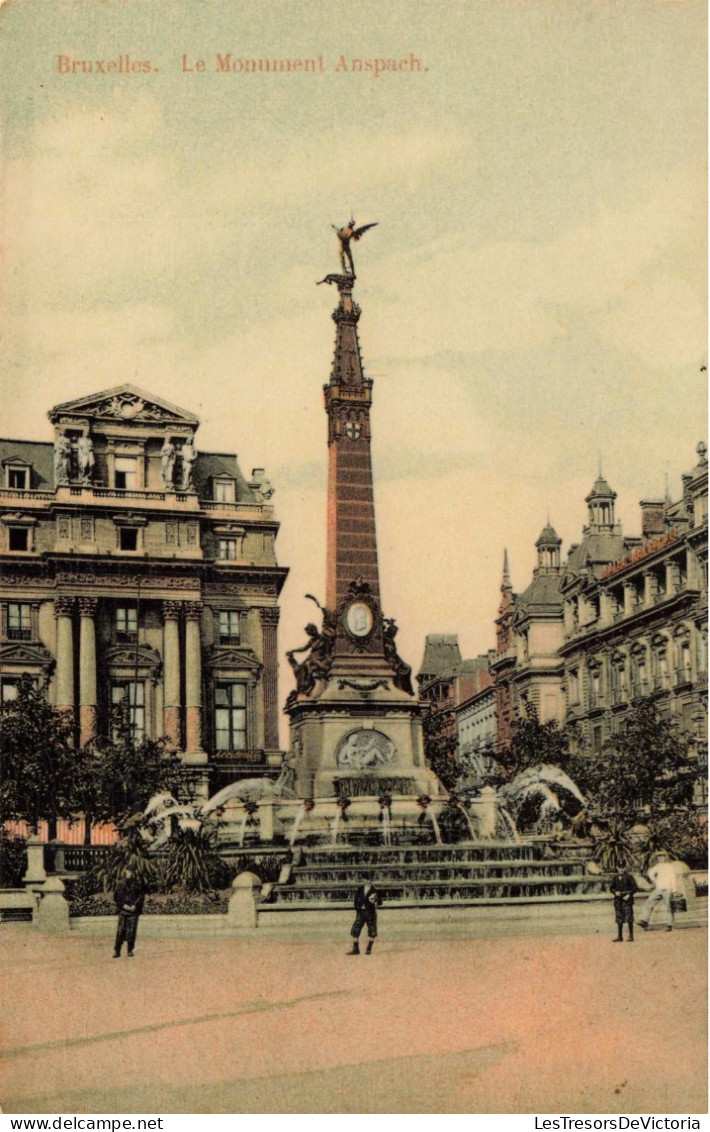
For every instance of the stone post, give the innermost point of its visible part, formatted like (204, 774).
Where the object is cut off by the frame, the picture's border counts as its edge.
(243, 902)
(63, 611)
(87, 670)
(171, 673)
(269, 628)
(53, 911)
(193, 683)
(35, 873)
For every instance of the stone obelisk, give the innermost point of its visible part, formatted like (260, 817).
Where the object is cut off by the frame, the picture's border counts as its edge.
(355, 721)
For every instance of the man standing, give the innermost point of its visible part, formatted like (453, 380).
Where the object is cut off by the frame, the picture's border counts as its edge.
(663, 878)
(129, 897)
(623, 887)
(367, 901)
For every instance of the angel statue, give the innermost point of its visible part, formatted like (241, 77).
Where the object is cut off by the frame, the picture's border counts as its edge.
(345, 235)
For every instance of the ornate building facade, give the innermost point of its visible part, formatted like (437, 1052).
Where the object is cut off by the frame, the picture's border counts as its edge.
(137, 570)
(622, 619)
(636, 615)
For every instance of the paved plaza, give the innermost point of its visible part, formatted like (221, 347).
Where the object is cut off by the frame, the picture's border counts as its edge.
(559, 1022)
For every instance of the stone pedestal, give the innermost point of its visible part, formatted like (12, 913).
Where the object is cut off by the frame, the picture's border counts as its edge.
(243, 901)
(53, 911)
(35, 874)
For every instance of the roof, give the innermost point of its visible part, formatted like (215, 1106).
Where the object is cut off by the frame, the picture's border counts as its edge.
(442, 655)
(548, 537)
(601, 489)
(542, 595)
(37, 453)
(209, 464)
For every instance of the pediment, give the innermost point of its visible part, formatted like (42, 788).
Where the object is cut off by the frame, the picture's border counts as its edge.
(122, 656)
(124, 403)
(231, 656)
(20, 653)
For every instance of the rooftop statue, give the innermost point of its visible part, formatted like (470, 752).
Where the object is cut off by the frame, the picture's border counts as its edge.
(345, 234)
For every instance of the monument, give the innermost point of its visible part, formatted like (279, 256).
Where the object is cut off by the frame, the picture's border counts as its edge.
(356, 730)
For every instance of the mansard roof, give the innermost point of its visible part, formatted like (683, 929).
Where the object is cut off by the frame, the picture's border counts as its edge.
(125, 403)
(442, 656)
(542, 596)
(36, 453)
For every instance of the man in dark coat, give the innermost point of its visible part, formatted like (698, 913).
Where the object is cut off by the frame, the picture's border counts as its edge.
(129, 897)
(367, 901)
(623, 887)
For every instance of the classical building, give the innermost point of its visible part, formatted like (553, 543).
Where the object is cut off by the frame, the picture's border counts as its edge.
(138, 570)
(635, 615)
(476, 721)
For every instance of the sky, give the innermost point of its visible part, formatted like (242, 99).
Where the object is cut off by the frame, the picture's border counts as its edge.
(534, 295)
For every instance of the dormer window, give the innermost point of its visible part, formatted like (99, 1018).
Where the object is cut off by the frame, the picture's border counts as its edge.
(17, 478)
(224, 490)
(17, 474)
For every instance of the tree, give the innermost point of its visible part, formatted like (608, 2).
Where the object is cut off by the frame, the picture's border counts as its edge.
(38, 758)
(534, 743)
(645, 769)
(120, 776)
(441, 743)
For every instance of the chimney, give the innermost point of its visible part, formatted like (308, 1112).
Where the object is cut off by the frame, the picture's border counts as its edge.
(652, 518)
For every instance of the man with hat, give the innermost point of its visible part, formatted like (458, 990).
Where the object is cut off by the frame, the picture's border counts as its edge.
(663, 877)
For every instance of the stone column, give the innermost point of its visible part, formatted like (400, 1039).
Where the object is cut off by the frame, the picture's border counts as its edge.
(63, 611)
(269, 629)
(87, 670)
(193, 682)
(171, 673)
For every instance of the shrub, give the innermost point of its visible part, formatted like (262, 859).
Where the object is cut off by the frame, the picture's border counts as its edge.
(13, 860)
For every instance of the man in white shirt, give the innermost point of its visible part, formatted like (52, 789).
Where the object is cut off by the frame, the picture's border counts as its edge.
(664, 878)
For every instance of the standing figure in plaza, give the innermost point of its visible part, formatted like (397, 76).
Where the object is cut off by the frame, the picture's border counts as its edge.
(345, 234)
(664, 878)
(367, 901)
(129, 896)
(622, 888)
(189, 455)
(62, 454)
(87, 460)
(168, 456)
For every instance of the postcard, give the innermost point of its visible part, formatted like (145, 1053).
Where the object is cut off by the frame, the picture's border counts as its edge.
(323, 324)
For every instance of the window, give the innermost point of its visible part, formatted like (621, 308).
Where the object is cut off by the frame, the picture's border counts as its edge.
(130, 696)
(17, 477)
(19, 538)
(19, 622)
(230, 717)
(126, 473)
(128, 538)
(224, 491)
(227, 548)
(126, 621)
(574, 686)
(228, 626)
(8, 689)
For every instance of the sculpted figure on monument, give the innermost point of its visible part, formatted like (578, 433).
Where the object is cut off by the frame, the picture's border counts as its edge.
(316, 665)
(62, 453)
(87, 460)
(345, 234)
(167, 463)
(189, 455)
(402, 671)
